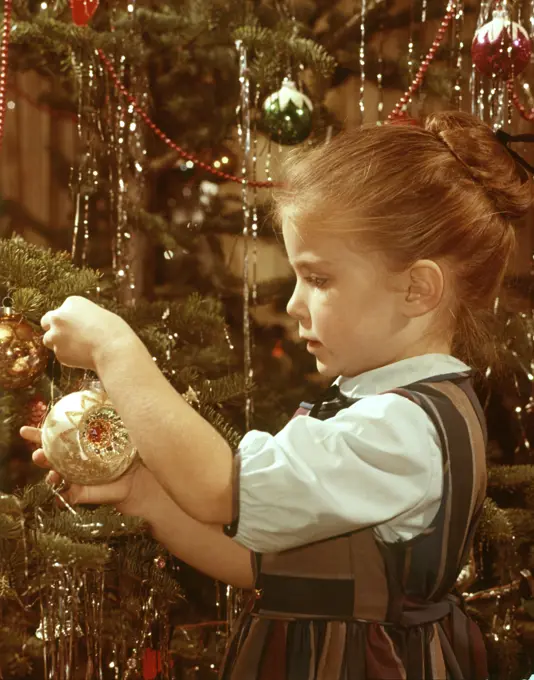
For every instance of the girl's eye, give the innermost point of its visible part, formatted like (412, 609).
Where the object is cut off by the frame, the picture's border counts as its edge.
(316, 281)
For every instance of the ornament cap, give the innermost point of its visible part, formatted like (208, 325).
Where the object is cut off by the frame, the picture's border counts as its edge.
(92, 383)
(7, 307)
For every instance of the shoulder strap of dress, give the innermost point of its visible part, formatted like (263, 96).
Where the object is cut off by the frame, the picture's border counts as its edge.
(453, 407)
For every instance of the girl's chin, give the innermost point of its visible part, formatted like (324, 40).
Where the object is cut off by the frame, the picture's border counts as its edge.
(326, 370)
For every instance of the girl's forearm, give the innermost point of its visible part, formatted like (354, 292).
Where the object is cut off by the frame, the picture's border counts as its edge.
(204, 547)
(188, 457)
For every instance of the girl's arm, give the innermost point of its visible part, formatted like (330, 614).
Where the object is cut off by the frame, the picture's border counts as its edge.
(139, 494)
(189, 458)
(204, 547)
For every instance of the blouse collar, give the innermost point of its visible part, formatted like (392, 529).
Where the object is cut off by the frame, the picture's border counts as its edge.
(400, 373)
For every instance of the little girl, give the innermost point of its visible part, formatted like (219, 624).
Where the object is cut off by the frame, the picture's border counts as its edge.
(350, 525)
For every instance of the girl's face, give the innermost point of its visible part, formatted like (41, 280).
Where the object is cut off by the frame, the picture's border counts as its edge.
(346, 302)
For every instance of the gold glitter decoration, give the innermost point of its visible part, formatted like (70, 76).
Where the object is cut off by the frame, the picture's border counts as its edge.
(468, 574)
(23, 357)
(85, 440)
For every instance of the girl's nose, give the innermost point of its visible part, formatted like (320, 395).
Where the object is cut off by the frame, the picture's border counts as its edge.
(296, 307)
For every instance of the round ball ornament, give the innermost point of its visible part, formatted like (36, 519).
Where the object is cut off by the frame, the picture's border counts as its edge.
(501, 47)
(85, 440)
(36, 410)
(23, 357)
(287, 115)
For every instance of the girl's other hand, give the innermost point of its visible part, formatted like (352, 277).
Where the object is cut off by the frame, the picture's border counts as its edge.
(129, 494)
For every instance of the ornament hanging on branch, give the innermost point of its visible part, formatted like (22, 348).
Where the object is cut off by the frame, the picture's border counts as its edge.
(36, 410)
(501, 47)
(153, 665)
(83, 11)
(85, 440)
(287, 115)
(23, 357)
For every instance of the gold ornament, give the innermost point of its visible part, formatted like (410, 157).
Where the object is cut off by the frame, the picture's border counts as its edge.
(85, 440)
(23, 357)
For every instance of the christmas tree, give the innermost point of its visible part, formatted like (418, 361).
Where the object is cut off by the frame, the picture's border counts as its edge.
(181, 112)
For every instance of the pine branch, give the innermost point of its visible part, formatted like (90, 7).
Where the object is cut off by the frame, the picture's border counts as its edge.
(232, 436)
(9, 505)
(168, 21)
(523, 524)
(222, 390)
(375, 12)
(35, 496)
(100, 524)
(140, 558)
(54, 41)
(10, 527)
(495, 526)
(61, 549)
(273, 50)
(513, 478)
(40, 279)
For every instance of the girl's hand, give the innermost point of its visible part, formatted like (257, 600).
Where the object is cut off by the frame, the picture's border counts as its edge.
(78, 329)
(129, 494)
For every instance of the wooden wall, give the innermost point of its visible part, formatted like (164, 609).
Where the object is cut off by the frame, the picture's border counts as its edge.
(34, 142)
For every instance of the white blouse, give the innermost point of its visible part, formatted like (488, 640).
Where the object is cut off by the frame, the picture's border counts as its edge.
(377, 463)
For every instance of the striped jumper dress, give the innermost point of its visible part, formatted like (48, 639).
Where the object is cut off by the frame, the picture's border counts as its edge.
(352, 607)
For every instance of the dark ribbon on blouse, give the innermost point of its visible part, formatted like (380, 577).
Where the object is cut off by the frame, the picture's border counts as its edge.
(331, 401)
(505, 139)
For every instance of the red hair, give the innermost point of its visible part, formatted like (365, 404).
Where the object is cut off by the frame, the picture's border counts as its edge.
(448, 191)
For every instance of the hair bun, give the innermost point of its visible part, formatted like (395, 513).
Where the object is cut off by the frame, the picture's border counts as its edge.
(476, 147)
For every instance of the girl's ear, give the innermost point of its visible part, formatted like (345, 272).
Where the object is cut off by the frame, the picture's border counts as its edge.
(424, 288)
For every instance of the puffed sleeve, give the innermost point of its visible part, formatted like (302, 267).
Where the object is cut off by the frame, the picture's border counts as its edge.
(367, 465)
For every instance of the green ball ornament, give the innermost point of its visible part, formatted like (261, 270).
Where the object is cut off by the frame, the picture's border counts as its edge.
(287, 115)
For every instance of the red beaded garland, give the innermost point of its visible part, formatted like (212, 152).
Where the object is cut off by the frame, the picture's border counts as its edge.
(144, 115)
(417, 81)
(396, 112)
(527, 115)
(4, 48)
